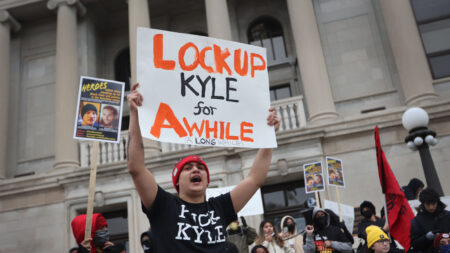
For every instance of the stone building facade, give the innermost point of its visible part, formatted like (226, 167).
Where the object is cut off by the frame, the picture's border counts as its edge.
(337, 68)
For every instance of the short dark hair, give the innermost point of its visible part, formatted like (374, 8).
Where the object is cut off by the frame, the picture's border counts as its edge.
(73, 249)
(146, 233)
(429, 196)
(259, 246)
(88, 107)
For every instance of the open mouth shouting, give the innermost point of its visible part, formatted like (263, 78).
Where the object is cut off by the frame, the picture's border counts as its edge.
(196, 179)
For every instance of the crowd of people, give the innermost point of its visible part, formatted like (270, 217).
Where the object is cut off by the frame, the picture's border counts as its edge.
(430, 232)
(190, 223)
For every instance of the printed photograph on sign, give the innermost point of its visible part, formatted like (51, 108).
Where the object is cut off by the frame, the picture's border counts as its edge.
(203, 91)
(99, 110)
(335, 172)
(313, 175)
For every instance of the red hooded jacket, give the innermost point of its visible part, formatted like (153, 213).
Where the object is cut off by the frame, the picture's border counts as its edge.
(79, 225)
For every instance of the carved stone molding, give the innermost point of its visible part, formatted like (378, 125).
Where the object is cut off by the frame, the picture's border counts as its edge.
(5, 17)
(54, 4)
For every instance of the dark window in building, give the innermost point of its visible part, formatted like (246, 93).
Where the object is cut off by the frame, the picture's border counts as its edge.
(125, 122)
(280, 92)
(122, 72)
(122, 68)
(118, 226)
(199, 33)
(267, 32)
(433, 20)
(285, 199)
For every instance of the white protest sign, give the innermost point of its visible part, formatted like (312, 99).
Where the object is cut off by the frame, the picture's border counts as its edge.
(253, 207)
(203, 91)
(348, 213)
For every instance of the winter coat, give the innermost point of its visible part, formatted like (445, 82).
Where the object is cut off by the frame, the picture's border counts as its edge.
(424, 222)
(295, 239)
(274, 248)
(335, 234)
(243, 237)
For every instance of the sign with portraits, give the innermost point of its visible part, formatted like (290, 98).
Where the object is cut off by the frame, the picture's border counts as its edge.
(99, 110)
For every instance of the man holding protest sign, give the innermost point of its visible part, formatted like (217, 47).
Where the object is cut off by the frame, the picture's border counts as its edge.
(189, 223)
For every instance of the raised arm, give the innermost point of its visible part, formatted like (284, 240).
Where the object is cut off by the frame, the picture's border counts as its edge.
(242, 193)
(143, 180)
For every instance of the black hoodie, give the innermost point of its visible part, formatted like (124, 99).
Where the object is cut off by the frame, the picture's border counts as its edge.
(424, 222)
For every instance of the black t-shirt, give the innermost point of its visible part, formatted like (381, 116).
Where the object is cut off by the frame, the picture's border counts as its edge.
(178, 226)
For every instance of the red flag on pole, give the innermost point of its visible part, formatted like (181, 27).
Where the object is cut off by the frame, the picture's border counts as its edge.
(399, 212)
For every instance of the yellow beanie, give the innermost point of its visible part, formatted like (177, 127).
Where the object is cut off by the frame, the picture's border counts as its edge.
(374, 234)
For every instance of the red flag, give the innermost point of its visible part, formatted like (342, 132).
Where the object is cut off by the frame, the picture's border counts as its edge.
(398, 210)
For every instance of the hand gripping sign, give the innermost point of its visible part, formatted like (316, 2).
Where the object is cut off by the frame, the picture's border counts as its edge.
(203, 91)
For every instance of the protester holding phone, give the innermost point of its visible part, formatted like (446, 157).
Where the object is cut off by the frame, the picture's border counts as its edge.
(269, 238)
(290, 234)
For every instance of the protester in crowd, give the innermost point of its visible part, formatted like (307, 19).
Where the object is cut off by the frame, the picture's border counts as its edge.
(431, 220)
(334, 220)
(89, 115)
(368, 211)
(323, 236)
(146, 242)
(442, 243)
(110, 117)
(99, 240)
(187, 222)
(259, 249)
(73, 250)
(241, 236)
(377, 240)
(290, 235)
(412, 190)
(269, 237)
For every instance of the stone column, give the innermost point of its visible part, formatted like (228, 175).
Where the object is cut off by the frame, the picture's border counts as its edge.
(316, 84)
(7, 23)
(67, 81)
(139, 16)
(409, 54)
(218, 19)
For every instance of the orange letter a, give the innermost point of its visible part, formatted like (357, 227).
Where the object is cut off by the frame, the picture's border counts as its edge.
(165, 113)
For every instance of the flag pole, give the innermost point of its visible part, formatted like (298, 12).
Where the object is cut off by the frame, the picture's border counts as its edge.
(383, 180)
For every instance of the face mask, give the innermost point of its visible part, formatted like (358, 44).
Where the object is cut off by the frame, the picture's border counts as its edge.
(445, 248)
(146, 246)
(321, 221)
(367, 214)
(100, 238)
(291, 227)
(234, 226)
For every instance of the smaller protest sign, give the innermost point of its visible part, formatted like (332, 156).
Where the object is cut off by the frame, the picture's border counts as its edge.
(348, 212)
(253, 207)
(313, 175)
(335, 171)
(99, 110)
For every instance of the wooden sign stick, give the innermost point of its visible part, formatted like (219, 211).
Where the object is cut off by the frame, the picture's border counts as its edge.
(90, 206)
(339, 203)
(317, 199)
